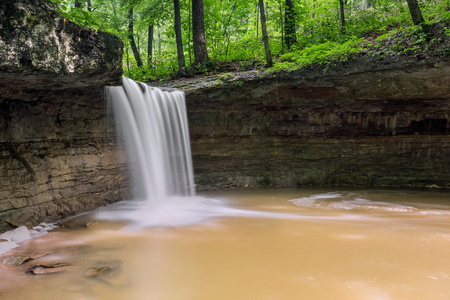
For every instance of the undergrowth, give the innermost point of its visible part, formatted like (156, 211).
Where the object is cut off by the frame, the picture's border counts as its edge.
(422, 41)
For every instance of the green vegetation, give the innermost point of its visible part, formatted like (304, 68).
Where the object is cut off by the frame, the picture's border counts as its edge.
(301, 33)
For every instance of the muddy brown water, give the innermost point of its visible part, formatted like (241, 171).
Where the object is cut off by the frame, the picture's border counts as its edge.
(298, 244)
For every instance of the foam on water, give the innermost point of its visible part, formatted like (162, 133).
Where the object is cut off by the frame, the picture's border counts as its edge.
(153, 126)
(355, 201)
(12, 238)
(182, 211)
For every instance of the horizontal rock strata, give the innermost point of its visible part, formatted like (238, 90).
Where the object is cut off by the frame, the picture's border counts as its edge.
(356, 124)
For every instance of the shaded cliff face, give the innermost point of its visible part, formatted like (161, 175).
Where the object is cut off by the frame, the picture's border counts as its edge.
(373, 124)
(57, 155)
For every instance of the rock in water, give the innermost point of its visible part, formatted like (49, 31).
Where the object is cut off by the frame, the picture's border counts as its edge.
(97, 272)
(49, 269)
(14, 261)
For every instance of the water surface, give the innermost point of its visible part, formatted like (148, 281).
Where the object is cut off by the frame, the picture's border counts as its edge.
(263, 244)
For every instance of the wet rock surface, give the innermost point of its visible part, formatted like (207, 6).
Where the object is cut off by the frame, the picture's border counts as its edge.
(58, 154)
(361, 123)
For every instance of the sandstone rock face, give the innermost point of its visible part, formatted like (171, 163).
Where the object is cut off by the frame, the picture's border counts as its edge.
(58, 156)
(373, 125)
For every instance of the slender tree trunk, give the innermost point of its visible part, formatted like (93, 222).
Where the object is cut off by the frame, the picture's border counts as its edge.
(114, 9)
(414, 10)
(189, 33)
(264, 34)
(137, 57)
(128, 61)
(342, 13)
(77, 3)
(138, 43)
(314, 9)
(181, 62)
(150, 44)
(198, 32)
(257, 21)
(227, 23)
(289, 23)
(282, 26)
(159, 45)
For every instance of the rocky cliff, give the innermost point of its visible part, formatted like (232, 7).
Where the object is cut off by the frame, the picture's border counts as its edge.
(57, 154)
(366, 123)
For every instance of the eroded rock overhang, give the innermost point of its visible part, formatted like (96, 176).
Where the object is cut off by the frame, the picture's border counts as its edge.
(57, 155)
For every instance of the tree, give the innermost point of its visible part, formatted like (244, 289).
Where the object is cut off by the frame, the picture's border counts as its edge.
(136, 54)
(150, 44)
(198, 33)
(181, 62)
(414, 10)
(289, 24)
(342, 14)
(264, 34)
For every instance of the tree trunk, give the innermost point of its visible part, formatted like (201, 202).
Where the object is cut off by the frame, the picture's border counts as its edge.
(137, 57)
(414, 10)
(257, 21)
(198, 33)
(283, 44)
(77, 3)
(128, 61)
(181, 63)
(264, 34)
(289, 23)
(342, 13)
(150, 44)
(189, 33)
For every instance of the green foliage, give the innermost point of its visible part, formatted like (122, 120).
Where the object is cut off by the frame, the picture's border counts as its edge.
(207, 67)
(233, 32)
(238, 82)
(318, 54)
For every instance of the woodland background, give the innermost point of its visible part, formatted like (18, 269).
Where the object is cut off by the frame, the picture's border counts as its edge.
(165, 39)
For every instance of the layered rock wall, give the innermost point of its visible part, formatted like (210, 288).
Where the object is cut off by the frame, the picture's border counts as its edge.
(57, 155)
(374, 125)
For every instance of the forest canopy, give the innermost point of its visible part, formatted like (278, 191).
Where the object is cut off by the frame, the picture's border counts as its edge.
(170, 38)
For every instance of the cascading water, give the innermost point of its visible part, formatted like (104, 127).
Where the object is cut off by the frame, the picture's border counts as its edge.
(153, 125)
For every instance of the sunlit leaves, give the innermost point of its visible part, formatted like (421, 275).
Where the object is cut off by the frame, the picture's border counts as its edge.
(233, 31)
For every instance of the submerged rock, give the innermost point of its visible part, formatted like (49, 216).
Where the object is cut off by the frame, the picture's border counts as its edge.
(50, 269)
(15, 261)
(91, 223)
(97, 271)
(39, 254)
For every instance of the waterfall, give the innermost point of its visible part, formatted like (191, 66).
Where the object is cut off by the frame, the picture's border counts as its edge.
(153, 126)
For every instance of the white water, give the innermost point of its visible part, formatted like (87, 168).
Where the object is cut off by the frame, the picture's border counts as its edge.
(153, 125)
